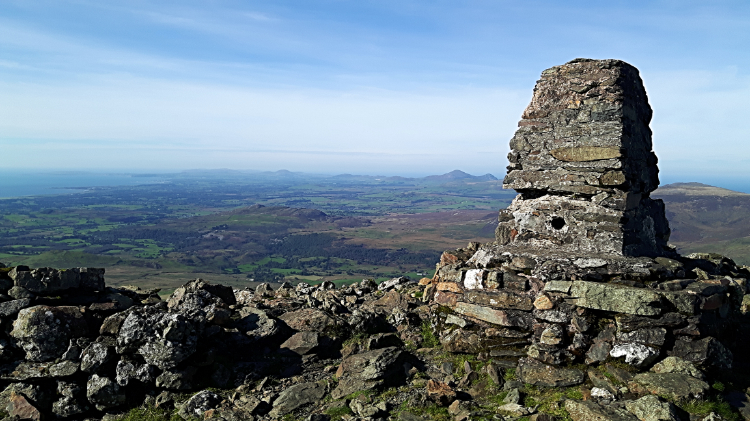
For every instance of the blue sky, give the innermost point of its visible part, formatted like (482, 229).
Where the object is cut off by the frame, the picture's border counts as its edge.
(376, 87)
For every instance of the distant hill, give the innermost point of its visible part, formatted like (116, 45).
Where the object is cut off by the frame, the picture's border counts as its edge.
(460, 175)
(706, 218)
(696, 189)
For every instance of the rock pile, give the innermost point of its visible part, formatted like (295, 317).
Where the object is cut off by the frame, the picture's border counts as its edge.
(74, 348)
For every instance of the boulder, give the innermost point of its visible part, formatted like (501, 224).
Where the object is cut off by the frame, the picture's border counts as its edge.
(97, 354)
(12, 307)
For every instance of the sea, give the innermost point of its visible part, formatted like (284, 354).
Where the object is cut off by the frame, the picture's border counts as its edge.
(14, 183)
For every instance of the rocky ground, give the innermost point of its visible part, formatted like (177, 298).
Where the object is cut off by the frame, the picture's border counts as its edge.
(75, 349)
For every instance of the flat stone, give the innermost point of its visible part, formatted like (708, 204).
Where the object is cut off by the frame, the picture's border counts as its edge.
(301, 343)
(591, 411)
(676, 385)
(449, 286)
(308, 320)
(585, 153)
(504, 300)
(540, 374)
(558, 286)
(616, 298)
(654, 336)
(29, 370)
(499, 317)
(297, 396)
(12, 307)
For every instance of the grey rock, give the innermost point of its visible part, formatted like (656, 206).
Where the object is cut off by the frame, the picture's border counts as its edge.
(370, 370)
(366, 410)
(162, 339)
(28, 370)
(198, 404)
(176, 379)
(44, 332)
(591, 411)
(103, 393)
(540, 374)
(97, 354)
(130, 370)
(676, 385)
(297, 396)
(651, 408)
(616, 298)
(302, 343)
(395, 283)
(12, 307)
(66, 407)
(256, 324)
(707, 352)
(653, 336)
(20, 293)
(677, 365)
(513, 396)
(309, 320)
(598, 352)
(111, 324)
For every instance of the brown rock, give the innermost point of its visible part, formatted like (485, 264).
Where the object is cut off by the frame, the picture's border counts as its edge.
(543, 302)
(449, 286)
(20, 408)
(440, 392)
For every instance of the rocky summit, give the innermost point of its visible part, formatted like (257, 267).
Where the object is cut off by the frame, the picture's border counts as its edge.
(578, 311)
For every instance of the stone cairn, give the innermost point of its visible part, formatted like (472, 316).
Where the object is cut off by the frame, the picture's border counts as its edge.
(581, 271)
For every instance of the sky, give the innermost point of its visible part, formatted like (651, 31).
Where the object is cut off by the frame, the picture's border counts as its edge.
(367, 87)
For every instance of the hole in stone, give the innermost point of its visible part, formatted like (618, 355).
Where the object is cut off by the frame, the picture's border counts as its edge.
(557, 223)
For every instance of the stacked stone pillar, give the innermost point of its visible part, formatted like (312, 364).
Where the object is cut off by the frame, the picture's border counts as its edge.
(582, 163)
